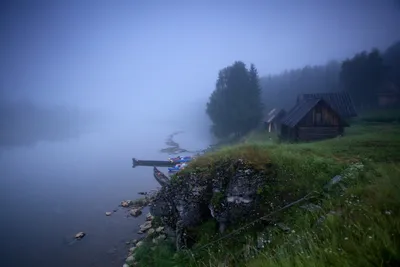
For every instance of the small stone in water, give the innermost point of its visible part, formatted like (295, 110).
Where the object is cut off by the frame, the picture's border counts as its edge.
(80, 235)
(108, 213)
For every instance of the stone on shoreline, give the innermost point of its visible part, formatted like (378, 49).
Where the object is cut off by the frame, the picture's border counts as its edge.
(125, 204)
(136, 212)
(146, 226)
(130, 259)
(150, 232)
(149, 217)
(159, 229)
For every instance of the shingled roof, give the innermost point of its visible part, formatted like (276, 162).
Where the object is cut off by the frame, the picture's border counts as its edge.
(294, 116)
(340, 102)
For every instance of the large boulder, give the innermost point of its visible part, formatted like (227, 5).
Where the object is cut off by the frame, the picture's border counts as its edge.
(192, 194)
(164, 206)
(228, 191)
(236, 194)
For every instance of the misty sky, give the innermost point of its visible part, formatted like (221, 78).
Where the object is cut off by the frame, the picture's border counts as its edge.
(127, 55)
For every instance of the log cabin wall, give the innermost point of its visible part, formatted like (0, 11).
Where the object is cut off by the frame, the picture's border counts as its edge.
(319, 123)
(320, 115)
(317, 133)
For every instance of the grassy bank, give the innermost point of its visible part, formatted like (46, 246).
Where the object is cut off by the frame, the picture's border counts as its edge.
(356, 223)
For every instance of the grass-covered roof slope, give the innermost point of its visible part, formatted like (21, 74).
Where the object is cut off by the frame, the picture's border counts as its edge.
(356, 225)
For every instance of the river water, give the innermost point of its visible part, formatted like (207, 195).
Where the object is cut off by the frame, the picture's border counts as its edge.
(52, 190)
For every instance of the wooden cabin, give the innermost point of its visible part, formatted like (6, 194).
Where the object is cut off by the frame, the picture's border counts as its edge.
(312, 119)
(340, 102)
(273, 119)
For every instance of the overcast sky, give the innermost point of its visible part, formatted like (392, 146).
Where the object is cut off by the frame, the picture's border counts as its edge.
(132, 54)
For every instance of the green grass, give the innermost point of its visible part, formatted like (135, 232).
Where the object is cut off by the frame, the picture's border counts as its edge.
(366, 233)
(362, 217)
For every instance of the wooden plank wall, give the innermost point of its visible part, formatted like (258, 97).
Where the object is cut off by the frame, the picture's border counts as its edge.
(317, 133)
(328, 117)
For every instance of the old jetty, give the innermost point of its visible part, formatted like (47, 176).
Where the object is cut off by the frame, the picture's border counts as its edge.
(152, 163)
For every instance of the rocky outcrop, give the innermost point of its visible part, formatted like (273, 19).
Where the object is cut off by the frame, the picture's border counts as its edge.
(227, 192)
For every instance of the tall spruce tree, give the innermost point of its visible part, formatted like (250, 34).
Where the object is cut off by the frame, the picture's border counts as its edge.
(235, 106)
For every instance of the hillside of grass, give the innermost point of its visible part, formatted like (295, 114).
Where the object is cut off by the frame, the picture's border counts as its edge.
(354, 223)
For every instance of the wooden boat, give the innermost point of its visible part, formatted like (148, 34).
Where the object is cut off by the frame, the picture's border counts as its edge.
(161, 178)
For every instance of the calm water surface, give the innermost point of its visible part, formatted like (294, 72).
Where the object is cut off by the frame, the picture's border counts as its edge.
(51, 191)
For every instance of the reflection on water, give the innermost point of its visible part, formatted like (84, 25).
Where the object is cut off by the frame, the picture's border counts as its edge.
(51, 191)
(26, 124)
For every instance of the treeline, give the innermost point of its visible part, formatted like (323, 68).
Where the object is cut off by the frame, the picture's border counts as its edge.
(364, 76)
(25, 123)
(241, 99)
(280, 91)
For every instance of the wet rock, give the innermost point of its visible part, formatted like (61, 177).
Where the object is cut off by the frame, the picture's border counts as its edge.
(132, 249)
(80, 235)
(191, 199)
(135, 212)
(146, 226)
(149, 217)
(130, 259)
(150, 231)
(125, 204)
(140, 243)
(108, 213)
(229, 191)
(159, 229)
(125, 265)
